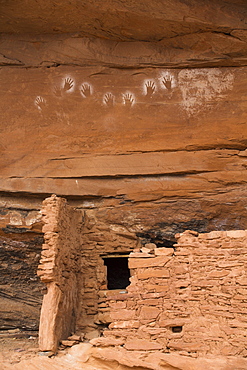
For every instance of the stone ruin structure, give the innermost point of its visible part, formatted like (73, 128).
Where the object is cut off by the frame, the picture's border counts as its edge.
(136, 115)
(188, 299)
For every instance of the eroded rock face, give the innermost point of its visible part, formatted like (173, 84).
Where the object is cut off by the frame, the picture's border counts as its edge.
(21, 292)
(136, 114)
(155, 150)
(124, 21)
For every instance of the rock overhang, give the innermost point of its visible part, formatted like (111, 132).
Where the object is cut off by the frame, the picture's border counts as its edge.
(123, 21)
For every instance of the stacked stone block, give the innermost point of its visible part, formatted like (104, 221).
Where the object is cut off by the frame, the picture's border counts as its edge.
(98, 239)
(59, 269)
(190, 300)
(73, 270)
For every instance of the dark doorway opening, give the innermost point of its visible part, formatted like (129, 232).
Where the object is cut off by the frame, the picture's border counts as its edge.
(118, 272)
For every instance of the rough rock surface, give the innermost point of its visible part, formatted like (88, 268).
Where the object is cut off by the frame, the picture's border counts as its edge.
(170, 141)
(84, 356)
(176, 22)
(137, 114)
(20, 246)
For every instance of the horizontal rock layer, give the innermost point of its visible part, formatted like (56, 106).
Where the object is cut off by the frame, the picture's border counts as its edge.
(153, 20)
(192, 49)
(173, 137)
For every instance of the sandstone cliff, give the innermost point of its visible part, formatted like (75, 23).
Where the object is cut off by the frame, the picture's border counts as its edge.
(135, 114)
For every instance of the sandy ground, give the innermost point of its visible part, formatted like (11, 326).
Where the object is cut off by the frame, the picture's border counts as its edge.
(23, 354)
(13, 350)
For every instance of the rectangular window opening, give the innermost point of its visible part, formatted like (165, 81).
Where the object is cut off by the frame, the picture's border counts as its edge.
(118, 272)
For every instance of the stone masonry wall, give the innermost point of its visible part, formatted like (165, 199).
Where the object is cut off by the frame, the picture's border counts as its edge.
(98, 239)
(190, 300)
(59, 269)
(73, 269)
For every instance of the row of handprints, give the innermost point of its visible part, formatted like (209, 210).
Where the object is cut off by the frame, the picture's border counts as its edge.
(86, 89)
(199, 89)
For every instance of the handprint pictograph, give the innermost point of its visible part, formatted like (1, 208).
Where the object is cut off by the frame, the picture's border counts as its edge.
(68, 84)
(57, 91)
(109, 99)
(150, 88)
(86, 90)
(128, 99)
(167, 82)
(40, 102)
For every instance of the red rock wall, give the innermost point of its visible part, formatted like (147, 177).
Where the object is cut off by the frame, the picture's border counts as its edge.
(136, 113)
(158, 143)
(170, 156)
(190, 300)
(20, 247)
(141, 133)
(170, 141)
